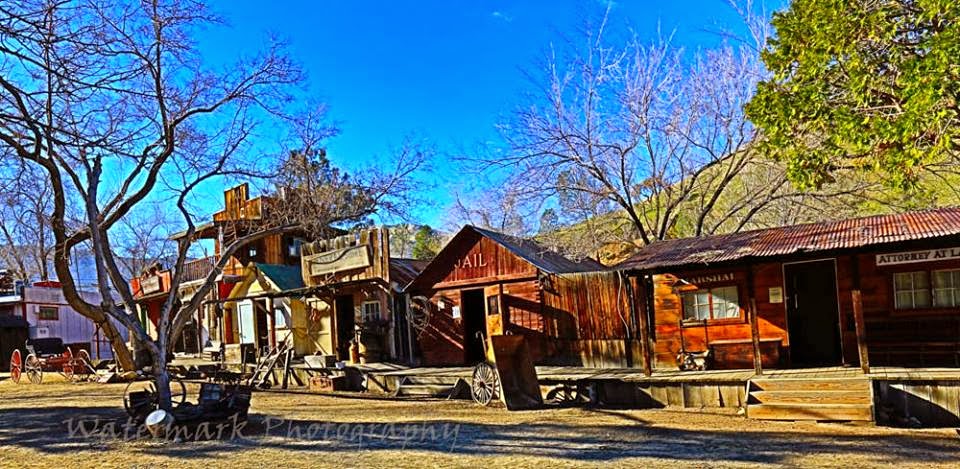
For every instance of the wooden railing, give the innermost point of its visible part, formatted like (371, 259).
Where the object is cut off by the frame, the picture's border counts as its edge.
(197, 269)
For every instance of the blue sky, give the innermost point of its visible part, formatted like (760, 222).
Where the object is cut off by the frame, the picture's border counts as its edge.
(447, 71)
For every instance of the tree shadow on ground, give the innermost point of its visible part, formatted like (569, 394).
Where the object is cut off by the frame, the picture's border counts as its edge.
(43, 429)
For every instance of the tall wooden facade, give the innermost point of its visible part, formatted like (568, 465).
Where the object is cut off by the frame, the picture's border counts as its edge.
(353, 280)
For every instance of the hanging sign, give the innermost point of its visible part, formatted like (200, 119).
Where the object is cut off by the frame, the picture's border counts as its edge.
(912, 257)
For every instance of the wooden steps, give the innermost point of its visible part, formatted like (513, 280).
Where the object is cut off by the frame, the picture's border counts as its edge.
(822, 399)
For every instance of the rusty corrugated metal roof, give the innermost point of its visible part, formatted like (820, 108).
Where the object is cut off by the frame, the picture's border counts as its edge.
(403, 270)
(787, 240)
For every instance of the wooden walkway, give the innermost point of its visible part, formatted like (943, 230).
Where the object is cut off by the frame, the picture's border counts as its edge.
(573, 373)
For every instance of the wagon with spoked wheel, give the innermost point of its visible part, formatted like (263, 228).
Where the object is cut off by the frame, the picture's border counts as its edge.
(507, 373)
(49, 355)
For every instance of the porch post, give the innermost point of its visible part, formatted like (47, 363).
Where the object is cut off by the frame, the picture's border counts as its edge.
(644, 326)
(754, 325)
(861, 331)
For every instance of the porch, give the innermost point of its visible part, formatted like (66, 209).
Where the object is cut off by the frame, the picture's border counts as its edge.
(886, 395)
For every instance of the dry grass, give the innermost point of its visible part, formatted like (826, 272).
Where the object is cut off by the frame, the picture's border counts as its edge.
(32, 434)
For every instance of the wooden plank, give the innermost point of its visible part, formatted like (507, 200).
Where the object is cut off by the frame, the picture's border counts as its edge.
(824, 412)
(861, 330)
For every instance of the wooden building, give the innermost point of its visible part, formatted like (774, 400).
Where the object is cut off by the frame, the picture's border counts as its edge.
(266, 307)
(354, 282)
(44, 309)
(569, 312)
(240, 216)
(881, 290)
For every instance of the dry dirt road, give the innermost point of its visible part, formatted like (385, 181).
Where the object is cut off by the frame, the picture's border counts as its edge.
(303, 430)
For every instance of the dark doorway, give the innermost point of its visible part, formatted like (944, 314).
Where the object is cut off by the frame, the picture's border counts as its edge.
(813, 321)
(474, 325)
(345, 325)
(263, 326)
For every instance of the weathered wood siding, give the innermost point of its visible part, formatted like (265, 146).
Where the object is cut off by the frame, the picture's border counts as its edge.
(921, 337)
(696, 336)
(590, 316)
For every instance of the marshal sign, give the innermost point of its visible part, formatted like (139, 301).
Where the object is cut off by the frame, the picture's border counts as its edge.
(912, 257)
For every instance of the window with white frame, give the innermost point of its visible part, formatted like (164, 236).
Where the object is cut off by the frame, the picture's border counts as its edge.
(946, 288)
(711, 303)
(371, 311)
(911, 290)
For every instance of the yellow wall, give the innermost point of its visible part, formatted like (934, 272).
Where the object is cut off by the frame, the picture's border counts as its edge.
(308, 336)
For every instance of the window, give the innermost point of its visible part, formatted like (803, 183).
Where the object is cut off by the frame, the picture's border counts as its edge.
(48, 313)
(946, 288)
(713, 303)
(293, 249)
(911, 290)
(371, 311)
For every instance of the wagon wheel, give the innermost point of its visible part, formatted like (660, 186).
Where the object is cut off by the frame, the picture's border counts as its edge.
(34, 369)
(83, 365)
(486, 384)
(565, 394)
(16, 366)
(132, 403)
(66, 369)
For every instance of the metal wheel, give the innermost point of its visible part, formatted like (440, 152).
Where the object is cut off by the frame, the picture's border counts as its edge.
(142, 397)
(16, 366)
(486, 384)
(34, 369)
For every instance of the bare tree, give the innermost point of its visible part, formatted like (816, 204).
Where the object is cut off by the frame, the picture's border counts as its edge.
(27, 241)
(106, 98)
(645, 136)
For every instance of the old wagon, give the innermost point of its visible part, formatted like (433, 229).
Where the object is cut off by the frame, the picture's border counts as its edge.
(49, 355)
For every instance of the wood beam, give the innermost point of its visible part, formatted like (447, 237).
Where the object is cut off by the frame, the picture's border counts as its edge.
(643, 316)
(754, 325)
(861, 331)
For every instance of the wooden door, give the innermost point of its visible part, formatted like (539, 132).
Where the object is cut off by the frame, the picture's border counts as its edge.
(496, 317)
(813, 319)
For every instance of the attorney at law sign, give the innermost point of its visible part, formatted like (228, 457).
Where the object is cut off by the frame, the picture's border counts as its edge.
(912, 257)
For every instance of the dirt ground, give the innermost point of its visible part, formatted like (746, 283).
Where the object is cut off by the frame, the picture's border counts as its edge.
(304, 430)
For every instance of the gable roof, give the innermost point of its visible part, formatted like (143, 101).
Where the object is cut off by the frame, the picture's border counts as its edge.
(538, 256)
(541, 257)
(794, 239)
(285, 277)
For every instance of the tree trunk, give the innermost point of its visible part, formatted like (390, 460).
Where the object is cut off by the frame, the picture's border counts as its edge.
(162, 376)
(120, 351)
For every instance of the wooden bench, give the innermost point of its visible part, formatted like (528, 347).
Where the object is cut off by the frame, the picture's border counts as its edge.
(738, 353)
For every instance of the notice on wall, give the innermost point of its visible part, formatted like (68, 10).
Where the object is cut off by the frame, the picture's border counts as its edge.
(775, 294)
(912, 257)
(456, 312)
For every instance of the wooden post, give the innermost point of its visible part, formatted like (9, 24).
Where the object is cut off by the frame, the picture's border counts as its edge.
(286, 369)
(861, 331)
(755, 335)
(644, 327)
(754, 326)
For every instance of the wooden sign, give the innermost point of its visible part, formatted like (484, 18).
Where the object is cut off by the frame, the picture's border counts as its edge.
(339, 260)
(471, 261)
(913, 257)
(712, 278)
(150, 284)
